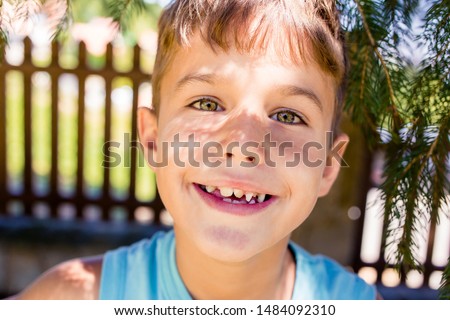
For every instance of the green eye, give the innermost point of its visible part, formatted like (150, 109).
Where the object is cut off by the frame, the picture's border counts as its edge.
(206, 105)
(287, 117)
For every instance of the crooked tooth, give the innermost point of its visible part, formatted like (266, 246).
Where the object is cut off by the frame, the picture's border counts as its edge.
(252, 202)
(225, 191)
(248, 196)
(238, 193)
(261, 197)
(210, 188)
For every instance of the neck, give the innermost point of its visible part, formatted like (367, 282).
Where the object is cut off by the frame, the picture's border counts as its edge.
(268, 275)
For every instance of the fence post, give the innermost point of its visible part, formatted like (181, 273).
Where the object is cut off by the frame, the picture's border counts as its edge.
(133, 156)
(54, 120)
(81, 128)
(28, 128)
(3, 177)
(106, 194)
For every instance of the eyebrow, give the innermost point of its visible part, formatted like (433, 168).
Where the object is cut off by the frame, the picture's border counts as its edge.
(290, 90)
(287, 90)
(195, 77)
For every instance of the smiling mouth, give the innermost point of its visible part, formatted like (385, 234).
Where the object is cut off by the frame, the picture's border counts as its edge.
(235, 196)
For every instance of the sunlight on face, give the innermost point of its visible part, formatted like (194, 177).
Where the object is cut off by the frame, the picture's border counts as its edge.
(231, 99)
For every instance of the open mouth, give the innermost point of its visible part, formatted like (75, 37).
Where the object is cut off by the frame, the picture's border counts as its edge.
(235, 196)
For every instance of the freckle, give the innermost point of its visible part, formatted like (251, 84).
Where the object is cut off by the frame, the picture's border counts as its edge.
(228, 237)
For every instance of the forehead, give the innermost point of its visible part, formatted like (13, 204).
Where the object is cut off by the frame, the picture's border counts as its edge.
(269, 67)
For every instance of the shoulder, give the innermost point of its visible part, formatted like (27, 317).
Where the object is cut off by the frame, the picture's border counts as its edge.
(76, 279)
(325, 278)
(144, 249)
(139, 271)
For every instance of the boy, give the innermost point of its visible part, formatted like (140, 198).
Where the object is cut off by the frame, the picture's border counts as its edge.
(245, 92)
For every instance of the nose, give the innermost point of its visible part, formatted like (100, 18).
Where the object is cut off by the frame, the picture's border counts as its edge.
(243, 135)
(246, 157)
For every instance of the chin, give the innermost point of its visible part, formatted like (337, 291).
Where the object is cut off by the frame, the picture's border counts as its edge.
(227, 245)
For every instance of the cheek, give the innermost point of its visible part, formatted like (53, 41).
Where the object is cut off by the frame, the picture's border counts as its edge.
(189, 150)
(191, 143)
(306, 153)
(314, 155)
(302, 162)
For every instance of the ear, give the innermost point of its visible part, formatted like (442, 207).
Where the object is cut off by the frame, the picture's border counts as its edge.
(334, 162)
(148, 133)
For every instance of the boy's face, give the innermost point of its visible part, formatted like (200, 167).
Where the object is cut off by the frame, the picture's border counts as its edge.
(254, 123)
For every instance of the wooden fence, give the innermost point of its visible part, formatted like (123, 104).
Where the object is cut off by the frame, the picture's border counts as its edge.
(80, 199)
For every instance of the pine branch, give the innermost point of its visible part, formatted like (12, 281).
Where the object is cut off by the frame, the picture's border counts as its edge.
(363, 75)
(59, 24)
(415, 173)
(421, 182)
(26, 9)
(122, 10)
(398, 14)
(393, 108)
(436, 33)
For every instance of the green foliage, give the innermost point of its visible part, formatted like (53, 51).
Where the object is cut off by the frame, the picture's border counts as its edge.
(123, 10)
(436, 33)
(62, 25)
(411, 102)
(130, 15)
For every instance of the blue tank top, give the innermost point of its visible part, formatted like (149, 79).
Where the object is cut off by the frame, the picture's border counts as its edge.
(147, 270)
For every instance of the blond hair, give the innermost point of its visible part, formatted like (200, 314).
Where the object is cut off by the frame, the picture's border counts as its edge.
(301, 29)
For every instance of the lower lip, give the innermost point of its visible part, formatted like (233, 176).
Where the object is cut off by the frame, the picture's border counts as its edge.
(233, 208)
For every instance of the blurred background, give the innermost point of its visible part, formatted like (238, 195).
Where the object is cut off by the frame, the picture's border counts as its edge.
(73, 181)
